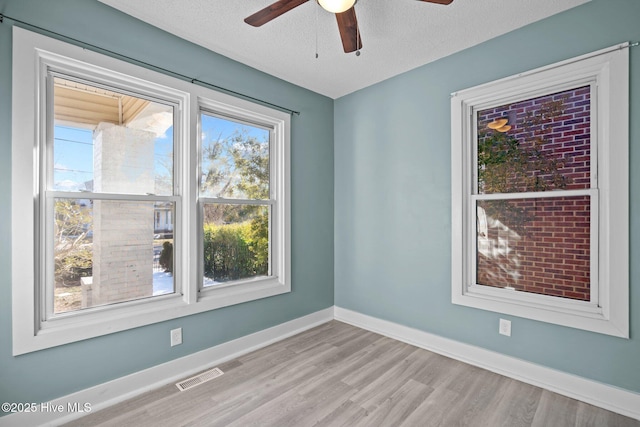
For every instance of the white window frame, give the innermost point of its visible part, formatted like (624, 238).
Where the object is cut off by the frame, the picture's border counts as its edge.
(607, 72)
(33, 55)
(55, 65)
(233, 292)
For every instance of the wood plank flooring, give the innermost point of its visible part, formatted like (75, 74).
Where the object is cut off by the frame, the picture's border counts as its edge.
(340, 375)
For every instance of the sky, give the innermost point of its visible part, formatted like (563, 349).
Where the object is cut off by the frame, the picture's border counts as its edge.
(73, 150)
(214, 129)
(73, 157)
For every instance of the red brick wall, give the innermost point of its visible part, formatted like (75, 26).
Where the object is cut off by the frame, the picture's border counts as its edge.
(549, 254)
(567, 136)
(546, 248)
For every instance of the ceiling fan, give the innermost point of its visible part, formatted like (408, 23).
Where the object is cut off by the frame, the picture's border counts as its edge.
(343, 9)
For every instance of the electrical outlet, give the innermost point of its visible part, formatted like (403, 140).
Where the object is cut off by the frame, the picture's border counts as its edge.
(176, 337)
(505, 327)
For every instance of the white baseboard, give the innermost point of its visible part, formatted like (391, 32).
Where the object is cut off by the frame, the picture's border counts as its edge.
(104, 395)
(595, 393)
(118, 390)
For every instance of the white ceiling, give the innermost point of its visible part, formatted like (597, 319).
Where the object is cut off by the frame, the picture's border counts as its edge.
(397, 35)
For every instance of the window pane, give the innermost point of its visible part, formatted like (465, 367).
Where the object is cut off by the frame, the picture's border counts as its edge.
(538, 245)
(109, 142)
(537, 144)
(107, 251)
(234, 160)
(235, 243)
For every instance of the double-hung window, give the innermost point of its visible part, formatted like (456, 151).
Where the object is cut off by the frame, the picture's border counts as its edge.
(106, 171)
(540, 194)
(137, 197)
(242, 203)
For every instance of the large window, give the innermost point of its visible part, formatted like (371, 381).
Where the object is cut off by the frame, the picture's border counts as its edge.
(242, 202)
(107, 169)
(137, 197)
(235, 197)
(540, 179)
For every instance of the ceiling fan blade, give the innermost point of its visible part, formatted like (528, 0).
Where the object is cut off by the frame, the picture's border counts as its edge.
(349, 33)
(439, 1)
(272, 12)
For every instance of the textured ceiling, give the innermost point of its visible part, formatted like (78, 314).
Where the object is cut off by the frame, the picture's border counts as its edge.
(397, 35)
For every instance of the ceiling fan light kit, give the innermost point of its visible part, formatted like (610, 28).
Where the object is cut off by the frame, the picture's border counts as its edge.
(343, 9)
(337, 6)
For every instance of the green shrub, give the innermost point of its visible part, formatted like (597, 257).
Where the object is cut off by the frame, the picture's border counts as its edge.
(236, 251)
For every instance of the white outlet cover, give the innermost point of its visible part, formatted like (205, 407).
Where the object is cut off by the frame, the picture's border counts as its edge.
(176, 337)
(505, 327)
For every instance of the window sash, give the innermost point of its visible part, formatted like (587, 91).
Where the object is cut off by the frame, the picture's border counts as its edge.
(472, 286)
(110, 84)
(273, 251)
(46, 200)
(211, 109)
(238, 117)
(47, 282)
(538, 91)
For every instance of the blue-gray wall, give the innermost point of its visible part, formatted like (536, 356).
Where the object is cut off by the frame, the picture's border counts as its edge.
(392, 201)
(393, 195)
(51, 373)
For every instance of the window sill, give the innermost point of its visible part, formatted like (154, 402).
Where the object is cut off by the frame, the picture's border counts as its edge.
(577, 314)
(80, 326)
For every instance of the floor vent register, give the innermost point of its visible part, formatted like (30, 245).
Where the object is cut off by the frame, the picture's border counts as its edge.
(201, 378)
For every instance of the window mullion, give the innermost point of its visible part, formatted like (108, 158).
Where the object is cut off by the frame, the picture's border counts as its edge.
(110, 196)
(223, 201)
(533, 195)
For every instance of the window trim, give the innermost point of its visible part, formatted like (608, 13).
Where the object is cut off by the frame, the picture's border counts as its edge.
(608, 71)
(278, 280)
(31, 54)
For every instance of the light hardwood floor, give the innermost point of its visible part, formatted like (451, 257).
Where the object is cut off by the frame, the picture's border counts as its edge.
(340, 375)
